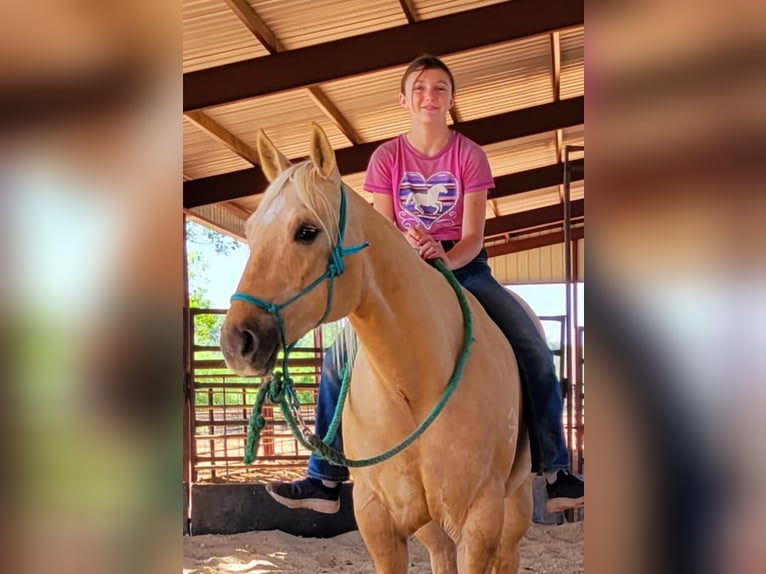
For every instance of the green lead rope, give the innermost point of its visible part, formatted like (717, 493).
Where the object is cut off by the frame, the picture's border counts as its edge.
(280, 391)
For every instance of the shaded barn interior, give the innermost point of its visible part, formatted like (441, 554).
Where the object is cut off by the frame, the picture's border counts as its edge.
(278, 65)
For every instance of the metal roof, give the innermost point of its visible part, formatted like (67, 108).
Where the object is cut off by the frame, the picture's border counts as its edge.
(278, 65)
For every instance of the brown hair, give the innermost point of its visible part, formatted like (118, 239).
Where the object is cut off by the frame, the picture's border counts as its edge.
(427, 62)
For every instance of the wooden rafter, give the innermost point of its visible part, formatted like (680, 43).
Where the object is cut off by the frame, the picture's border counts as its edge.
(535, 178)
(532, 218)
(556, 72)
(321, 100)
(266, 36)
(366, 53)
(484, 131)
(526, 243)
(258, 27)
(213, 189)
(410, 12)
(218, 132)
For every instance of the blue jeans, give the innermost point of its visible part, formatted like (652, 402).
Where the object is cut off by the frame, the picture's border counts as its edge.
(329, 391)
(543, 404)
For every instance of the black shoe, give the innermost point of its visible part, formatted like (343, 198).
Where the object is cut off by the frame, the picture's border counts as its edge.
(567, 492)
(308, 493)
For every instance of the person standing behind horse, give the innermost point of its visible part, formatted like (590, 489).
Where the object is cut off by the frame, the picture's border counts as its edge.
(404, 175)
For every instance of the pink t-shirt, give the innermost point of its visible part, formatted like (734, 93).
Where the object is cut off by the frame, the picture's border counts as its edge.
(429, 190)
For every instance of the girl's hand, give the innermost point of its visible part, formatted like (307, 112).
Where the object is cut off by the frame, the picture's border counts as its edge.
(428, 247)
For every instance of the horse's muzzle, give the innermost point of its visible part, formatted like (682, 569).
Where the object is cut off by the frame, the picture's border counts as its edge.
(249, 346)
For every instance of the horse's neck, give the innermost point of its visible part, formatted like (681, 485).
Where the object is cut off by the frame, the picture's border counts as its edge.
(408, 321)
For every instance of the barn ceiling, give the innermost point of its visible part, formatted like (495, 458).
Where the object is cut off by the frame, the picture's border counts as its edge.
(277, 65)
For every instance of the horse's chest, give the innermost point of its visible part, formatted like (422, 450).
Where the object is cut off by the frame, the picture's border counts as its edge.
(400, 490)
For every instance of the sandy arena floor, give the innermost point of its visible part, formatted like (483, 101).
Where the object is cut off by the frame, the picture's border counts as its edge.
(545, 550)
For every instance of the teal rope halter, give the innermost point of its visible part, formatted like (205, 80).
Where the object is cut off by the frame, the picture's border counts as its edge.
(279, 388)
(335, 268)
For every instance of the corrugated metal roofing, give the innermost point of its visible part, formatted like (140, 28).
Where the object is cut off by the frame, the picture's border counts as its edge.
(222, 218)
(285, 117)
(539, 265)
(434, 8)
(522, 153)
(575, 136)
(213, 36)
(490, 80)
(572, 62)
(503, 77)
(300, 23)
(371, 103)
(205, 156)
(537, 198)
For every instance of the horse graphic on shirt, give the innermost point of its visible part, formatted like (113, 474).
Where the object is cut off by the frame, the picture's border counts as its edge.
(426, 200)
(429, 199)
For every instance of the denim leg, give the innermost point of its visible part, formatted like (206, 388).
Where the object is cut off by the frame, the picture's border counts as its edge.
(329, 392)
(536, 367)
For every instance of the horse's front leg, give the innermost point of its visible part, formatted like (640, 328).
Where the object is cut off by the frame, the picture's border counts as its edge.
(385, 542)
(441, 548)
(479, 538)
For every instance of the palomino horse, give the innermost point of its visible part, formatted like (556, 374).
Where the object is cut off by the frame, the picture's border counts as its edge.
(464, 487)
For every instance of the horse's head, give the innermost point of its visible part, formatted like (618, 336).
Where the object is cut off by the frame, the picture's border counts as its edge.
(297, 275)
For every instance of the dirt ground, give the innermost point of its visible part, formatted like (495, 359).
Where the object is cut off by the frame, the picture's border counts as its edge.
(545, 550)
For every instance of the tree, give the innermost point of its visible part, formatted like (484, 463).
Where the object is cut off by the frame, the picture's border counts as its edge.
(207, 327)
(222, 244)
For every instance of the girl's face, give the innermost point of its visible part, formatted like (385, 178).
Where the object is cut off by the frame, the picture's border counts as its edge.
(427, 95)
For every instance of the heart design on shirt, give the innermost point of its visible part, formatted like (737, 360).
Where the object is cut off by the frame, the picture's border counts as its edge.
(427, 200)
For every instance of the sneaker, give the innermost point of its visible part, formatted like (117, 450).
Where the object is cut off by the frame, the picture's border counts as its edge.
(565, 493)
(308, 493)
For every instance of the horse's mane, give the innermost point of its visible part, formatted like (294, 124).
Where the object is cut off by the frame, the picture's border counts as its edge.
(306, 180)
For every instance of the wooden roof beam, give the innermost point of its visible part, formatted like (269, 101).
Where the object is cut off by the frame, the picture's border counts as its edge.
(387, 48)
(556, 70)
(532, 218)
(410, 12)
(527, 243)
(221, 134)
(258, 27)
(493, 129)
(266, 36)
(505, 185)
(535, 178)
(321, 101)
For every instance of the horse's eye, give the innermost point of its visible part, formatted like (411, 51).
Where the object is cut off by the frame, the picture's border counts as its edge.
(306, 233)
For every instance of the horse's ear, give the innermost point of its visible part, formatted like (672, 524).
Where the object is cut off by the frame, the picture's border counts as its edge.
(322, 153)
(273, 161)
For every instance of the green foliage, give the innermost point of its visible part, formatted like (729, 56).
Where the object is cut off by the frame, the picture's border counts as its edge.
(222, 244)
(207, 328)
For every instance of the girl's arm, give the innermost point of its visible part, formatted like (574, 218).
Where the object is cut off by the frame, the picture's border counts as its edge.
(384, 204)
(471, 240)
